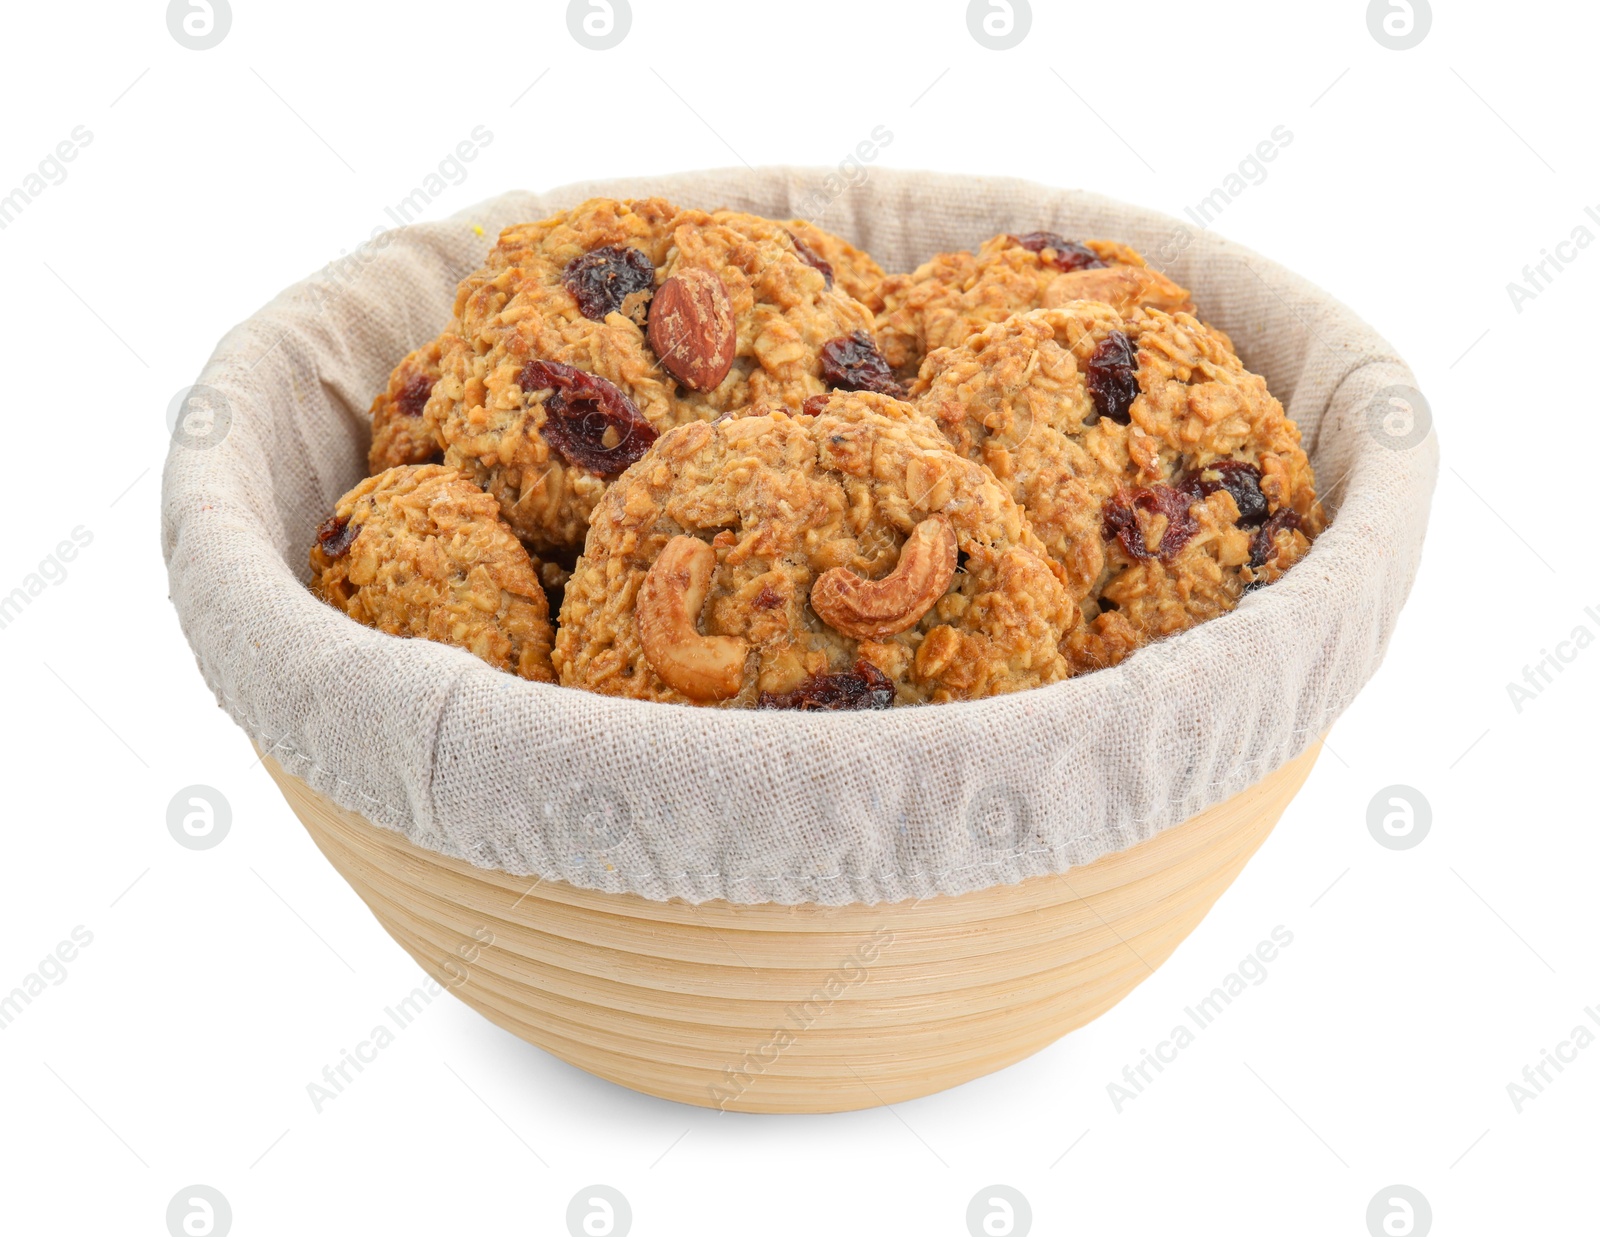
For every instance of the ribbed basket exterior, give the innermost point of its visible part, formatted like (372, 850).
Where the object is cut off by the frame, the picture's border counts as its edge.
(796, 1008)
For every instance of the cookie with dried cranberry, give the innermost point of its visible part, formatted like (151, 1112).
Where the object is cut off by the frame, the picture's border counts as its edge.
(604, 252)
(1235, 509)
(399, 433)
(421, 551)
(844, 559)
(1161, 475)
(953, 295)
(572, 290)
(588, 334)
(604, 255)
(840, 262)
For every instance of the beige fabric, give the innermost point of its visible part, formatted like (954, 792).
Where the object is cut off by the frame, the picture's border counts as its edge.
(665, 801)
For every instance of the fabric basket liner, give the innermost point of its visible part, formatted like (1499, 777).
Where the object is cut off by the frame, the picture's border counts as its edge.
(668, 801)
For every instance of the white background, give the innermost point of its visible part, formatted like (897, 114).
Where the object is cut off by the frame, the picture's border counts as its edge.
(219, 983)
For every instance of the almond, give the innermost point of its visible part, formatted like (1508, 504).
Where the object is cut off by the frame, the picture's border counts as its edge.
(691, 328)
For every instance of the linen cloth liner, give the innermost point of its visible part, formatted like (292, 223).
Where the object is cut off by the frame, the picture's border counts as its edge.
(700, 803)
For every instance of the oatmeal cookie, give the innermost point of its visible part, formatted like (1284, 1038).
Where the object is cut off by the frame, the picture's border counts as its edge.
(421, 551)
(844, 559)
(399, 434)
(953, 295)
(588, 334)
(839, 261)
(1161, 475)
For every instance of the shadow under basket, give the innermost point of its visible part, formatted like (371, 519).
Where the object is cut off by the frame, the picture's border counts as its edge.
(774, 1008)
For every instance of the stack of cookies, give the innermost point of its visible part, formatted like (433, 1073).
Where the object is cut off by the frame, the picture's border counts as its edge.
(711, 458)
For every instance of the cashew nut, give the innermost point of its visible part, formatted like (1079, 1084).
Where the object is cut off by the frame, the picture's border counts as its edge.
(668, 605)
(867, 609)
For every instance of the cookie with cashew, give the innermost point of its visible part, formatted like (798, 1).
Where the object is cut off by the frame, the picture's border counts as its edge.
(421, 551)
(844, 559)
(1162, 476)
(587, 334)
(953, 295)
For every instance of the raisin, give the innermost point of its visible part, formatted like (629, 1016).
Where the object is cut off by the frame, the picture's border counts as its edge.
(1114, 377)
(335, 535)
(1121, 520)
(812, 258)
(1241, 479)
(1261, 543)
(602, 279)
(853, 363)
(413, 397)
(766, 599)
(814, 404)
(580, 411)
(864, 687)
(1065, 255)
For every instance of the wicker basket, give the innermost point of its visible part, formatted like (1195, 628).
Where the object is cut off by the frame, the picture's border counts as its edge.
(772, 1008)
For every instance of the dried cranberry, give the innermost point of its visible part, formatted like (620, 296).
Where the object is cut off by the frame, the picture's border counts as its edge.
(335, 535)
(579, 412)
(1067, 256)
(413, 397)
(1114, 377)
(1120, 520)
(1240, 478)
(602, 279)
(1261, 543)
(814, 404)
(853, 363)
(812, 258)
(864, 687)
